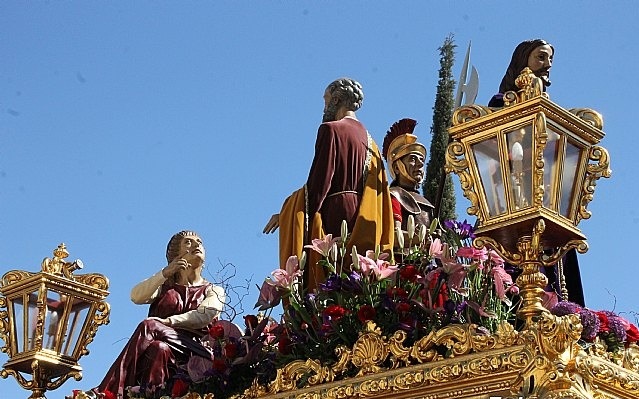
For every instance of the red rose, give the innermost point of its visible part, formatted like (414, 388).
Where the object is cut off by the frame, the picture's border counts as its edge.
(230, 350)
(402, 307)
(397, 292)
(603, 320)
(442, 297)
(409, 273)
(284, 343)
(219, 365)
(335, 312)
(365, 313)
(180, 388)
(251, 321)
(632, 334)
(108, 395)
(432, 284)
(216, 331)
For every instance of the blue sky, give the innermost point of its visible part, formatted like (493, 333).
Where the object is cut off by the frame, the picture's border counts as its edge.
(122, 123)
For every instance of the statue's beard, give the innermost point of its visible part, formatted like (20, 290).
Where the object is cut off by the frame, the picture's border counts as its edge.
(544, 75)
(330, 113)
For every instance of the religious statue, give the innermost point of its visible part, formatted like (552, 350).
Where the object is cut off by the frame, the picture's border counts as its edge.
(346, 182)
(405, 157)
(182, 305)
(535, 54)
(538, 55)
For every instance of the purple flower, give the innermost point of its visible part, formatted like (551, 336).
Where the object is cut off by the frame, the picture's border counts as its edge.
(591, 324)
(353, 283)
(617, 326)
(564, 308)
(463, 229)
(333, 283)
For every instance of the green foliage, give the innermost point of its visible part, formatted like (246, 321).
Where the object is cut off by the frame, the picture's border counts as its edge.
(442, 119)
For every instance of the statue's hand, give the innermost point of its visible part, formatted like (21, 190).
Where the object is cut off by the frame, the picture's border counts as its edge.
(177, 265)
(272, 224)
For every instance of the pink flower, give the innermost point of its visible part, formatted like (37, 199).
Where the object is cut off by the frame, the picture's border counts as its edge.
(285, 278)
(479, 255)
(495, 258)
(502, 280)
(269, 297)
(197, 368)
(323, 246)
(381, 268)
(436, 248)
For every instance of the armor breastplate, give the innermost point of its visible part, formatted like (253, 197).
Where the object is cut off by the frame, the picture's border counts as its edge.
(414, 204)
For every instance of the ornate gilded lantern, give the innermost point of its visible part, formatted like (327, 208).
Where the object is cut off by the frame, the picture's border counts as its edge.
(530, 166)
(50, 318)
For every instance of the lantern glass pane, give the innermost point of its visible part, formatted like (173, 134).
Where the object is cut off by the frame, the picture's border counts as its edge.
(551, 167)
(568, 181)
(31, 320)
(18, 322)
(487, 159)
(519, 142)
(75, 323)
(55, 311)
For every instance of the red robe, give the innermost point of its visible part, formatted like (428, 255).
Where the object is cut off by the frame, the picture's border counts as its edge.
(347, 181)
(336, 179)
(150, 356)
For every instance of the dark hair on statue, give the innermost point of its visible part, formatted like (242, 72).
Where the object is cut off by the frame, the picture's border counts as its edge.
(173, 247)
(348, 91)
(518, 62)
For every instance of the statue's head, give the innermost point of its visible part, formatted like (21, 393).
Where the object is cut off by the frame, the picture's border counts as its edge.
(183, 243)
(342, 92)
(535, 54)
(404, 155)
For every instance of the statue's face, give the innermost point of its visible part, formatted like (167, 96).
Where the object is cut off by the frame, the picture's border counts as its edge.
(330, 107)
(192, 249)
(540, 60)
(414, 167)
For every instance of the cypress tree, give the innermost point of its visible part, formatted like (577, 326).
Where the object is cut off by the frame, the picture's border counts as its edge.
(442, 119)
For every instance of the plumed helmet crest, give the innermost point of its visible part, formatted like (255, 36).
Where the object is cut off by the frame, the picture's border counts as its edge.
(399, 128)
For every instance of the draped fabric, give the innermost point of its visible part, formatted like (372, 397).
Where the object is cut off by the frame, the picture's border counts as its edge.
(154, 349)
(373, 223)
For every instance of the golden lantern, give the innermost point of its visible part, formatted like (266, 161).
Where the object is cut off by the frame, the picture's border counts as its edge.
(529, 170)
(50, 318)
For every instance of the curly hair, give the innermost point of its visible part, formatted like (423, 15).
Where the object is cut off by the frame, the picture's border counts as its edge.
(173, 247)
(348, 91)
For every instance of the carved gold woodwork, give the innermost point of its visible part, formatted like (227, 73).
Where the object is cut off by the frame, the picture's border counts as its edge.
(50, 318)
(558, 179)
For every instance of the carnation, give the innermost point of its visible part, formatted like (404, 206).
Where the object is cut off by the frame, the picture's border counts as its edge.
(565, 308)
(591, 324)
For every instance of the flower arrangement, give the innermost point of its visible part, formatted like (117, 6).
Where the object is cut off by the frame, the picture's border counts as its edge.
(604, 326)
(426, 285)
(431, 284)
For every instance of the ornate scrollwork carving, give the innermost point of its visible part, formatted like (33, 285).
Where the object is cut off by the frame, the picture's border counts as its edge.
(14, 276)
(599, 372)
(541, 138)
(468, 113)
(590, 116)
(456, 162)
(101, 317)
(4, 326)
(369, 351)
(289, 376)
(594, 171)
(94, 280)
(510, 98)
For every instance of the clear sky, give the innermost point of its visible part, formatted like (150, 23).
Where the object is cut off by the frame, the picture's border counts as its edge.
(124, 122)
